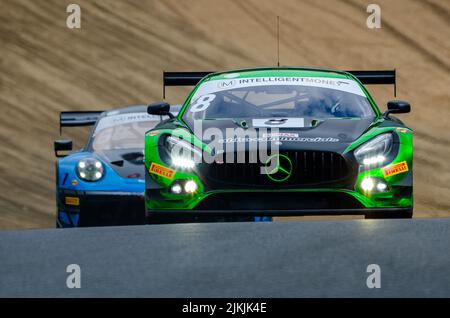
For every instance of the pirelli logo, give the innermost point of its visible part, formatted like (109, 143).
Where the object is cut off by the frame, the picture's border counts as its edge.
(395, 169)
(161, 171)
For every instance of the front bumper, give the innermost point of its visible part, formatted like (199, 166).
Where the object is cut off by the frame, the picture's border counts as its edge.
(295, 202)
(405, 212)
(99, 208)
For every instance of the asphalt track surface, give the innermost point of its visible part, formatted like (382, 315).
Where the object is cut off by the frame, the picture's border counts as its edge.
(118, 56)
(284, 259)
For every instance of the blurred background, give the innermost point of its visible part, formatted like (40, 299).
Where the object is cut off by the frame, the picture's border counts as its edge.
(118, 55)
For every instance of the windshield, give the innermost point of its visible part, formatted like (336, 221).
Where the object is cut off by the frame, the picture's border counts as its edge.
(320, 98)
(122, 131)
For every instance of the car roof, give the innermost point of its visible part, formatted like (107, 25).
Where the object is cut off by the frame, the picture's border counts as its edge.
(279, 71)
(126, 110)
(135, 109)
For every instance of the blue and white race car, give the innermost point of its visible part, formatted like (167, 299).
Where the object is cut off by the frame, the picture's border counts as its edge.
(103, 183)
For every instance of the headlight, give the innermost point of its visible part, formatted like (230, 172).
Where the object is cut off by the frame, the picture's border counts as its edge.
(375, 153)
(374, 185)
(182, 153)
(90, 169)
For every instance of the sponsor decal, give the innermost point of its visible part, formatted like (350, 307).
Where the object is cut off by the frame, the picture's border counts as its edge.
(161, 171)
(226, 84)
(279, 122)
(395, 169)
(72, 201)
(277, 139)
(280, 134)
(121, 119)
(345, 85)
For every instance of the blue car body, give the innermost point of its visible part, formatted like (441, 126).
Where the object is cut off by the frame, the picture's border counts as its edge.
(117, 198)
(111, 190)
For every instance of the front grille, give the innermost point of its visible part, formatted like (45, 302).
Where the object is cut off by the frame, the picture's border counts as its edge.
(102, 210)
(261, 201)
(309, 168)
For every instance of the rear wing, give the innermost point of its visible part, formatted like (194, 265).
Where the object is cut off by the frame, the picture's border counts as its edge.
(182, 79)
(386, 77)
(78, 118)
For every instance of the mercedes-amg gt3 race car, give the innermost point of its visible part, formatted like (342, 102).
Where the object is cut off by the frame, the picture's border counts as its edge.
(103, 183)
(279, 142)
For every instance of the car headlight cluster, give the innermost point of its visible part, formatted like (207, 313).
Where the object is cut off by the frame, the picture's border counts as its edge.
(182, 153)
(90, 169)
(184, 187)
(376, 152)
(374, 185)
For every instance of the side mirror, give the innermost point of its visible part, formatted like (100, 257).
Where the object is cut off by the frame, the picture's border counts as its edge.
(397, 107)
(160, 109)
(62, 145)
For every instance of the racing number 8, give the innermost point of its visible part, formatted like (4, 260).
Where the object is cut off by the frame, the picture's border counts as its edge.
(202, 103)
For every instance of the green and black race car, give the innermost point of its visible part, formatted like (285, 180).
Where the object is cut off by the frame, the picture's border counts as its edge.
(278, 141)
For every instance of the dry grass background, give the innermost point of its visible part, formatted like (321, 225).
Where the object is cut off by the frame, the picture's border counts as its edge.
(118, 55)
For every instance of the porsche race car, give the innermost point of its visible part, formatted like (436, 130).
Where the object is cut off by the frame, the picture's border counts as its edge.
(282, 141)
(103, 183)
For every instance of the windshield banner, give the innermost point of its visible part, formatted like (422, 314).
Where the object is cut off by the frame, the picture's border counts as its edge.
(121, 119)
(345, 85)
